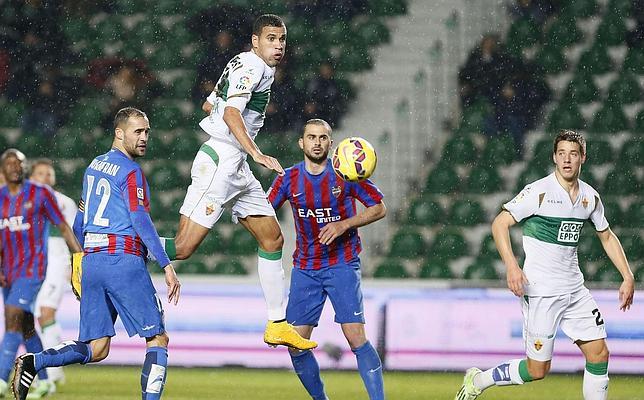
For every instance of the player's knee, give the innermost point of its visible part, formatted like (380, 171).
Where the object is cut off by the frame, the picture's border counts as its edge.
(184, 248)
(99, 353)
(161, 340)
(272, 243)
(602, 355)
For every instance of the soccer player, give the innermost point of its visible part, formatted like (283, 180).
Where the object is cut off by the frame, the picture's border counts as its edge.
(551, 286)
(326, 261)
(221, 176)
(114, 227)
(26, 209)
(58, 266)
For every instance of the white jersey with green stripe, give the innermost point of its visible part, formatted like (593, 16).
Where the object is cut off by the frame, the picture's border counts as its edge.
(68, 208)
(247, 75)
(552, 224)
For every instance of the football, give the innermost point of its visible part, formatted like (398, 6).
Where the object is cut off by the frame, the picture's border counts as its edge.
(354, 159)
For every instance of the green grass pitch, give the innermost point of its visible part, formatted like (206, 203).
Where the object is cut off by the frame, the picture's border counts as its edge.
(98, 382)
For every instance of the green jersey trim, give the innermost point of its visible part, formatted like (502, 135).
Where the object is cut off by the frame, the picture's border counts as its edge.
(259, 101)
(555, 230)
(54, 231)
(211, 152)
(222, 89)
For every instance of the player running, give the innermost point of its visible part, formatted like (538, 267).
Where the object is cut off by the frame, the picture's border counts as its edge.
(221, 176)
(551, 285)
(26, 209)
(59, 266)
(114, 226)
(326, 261)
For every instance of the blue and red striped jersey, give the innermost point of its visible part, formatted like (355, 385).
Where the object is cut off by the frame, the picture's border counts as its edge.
(24, 229)
(115, 206)
(315, 201)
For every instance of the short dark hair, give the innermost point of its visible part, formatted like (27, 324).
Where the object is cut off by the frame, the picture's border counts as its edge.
(124, 114)
(267, 20)
(40, 161)
(12, 153)
(317, 121)
(570, 136)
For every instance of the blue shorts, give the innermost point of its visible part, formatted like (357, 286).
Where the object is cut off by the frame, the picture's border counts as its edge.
(118, 284)
(22, 293)
(310, 288)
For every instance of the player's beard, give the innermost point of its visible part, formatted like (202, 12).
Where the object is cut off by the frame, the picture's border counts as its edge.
(317, 159)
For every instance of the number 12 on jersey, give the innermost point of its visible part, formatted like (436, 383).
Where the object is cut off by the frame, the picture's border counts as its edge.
(103, 190)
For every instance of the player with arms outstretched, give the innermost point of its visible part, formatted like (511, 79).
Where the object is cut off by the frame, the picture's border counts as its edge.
(113, 225)
(325, 260)
(553, 211)
(58, 266)
(221, 176)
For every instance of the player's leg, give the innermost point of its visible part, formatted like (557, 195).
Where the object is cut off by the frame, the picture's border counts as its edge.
(596, 371)
(10, 342)
(187, 240)
(305, 304)
(155, 366)
(33, 345)
(369, 364)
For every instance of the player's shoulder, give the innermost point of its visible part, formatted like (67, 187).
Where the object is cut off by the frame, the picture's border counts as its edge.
(588, 189)
(28, 183)
(250, 60)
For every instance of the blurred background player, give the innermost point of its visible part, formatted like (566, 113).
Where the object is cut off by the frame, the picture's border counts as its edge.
(26, 209)
(553, 211)
(114, 226)
(221, 176)
(325, 260)
(58, 266)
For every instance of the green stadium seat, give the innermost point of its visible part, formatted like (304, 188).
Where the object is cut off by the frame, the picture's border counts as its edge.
(620, 7)
(635, 214)
(484, 179)
(613, 211)
(87, 114)
(488, 248)
(499, 150)
(530, 174)
(449, 244)
(424, 211)
(75, 29)
(185, 145)
(598, 152)
(353, 58)
(149, 31)
(632, 152)
(474, 117)
(181, 86)
(634, 61)
(391, 269)
(459, 150)
(481, 270)
(407, 244)
(192, 266)
(588, 177)
(589, 247)
(214, 243)
(372, 32)
(638, 126)
(164, 176)
(466, 212)
(625, 90)
(70, 144)
(563, 32)
(129, 7)
(551, 60)
(109, 30)
(435, 268)
(639, 274)
(167, 117)
(581, 8)
(230, 266)
(443, 179)
(609, 119)
(167, 57)
(387, 7)
(633, 246)
(607, 273)
(10, 115)
(582, 89)
(566, 116)
(611, 31)
(621, 181)
(523, 33)
(242, 243)
(33, 145)
(595, 61)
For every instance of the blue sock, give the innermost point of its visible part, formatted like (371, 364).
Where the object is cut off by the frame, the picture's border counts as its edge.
(8, 350)
(307, 369)
(66, 353)
(34, 345)
(370, 369)
(154, 373)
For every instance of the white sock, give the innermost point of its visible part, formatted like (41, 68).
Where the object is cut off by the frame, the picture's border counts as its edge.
(595, 386)
(51, 336)
(501, 375)
(271, 277)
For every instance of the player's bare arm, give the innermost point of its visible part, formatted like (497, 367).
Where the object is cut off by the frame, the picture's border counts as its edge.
(501, 233)
(67, 234)
(174, 286)
(615, 251)
(233, 118)
(333, 230)
(207, 107)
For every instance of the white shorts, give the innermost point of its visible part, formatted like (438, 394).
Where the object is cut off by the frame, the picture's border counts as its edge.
(221, 178)
(576, 313)
(57, 278)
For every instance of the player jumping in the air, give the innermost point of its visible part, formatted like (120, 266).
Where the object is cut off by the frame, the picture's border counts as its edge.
(58, 266)
(113, 225)
(551, 286)
(221, 176)
(325, 260)
(26, 209)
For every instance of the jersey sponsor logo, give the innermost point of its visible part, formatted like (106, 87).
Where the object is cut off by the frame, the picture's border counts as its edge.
(336, 191)
(321, 215)
(569, 231)
(14, 224)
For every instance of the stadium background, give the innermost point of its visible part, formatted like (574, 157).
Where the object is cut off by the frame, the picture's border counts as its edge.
(407, 75)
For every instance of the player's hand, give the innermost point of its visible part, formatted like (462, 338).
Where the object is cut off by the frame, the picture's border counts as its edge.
(269, 162)
(207, 107)
(331, 231)
(3, 281)
(626, 291)
(77, 274)
(174, 286)
(516, 280)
